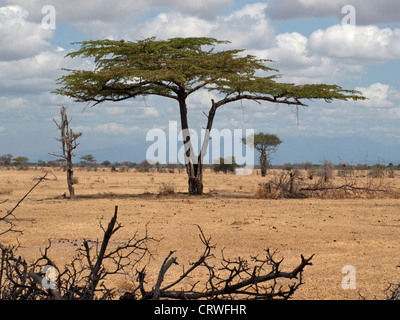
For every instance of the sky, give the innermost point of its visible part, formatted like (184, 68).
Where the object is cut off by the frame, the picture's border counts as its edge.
(309, 41)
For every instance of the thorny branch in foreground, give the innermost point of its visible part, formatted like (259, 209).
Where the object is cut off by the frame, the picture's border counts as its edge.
(90, 273)
(234, 279)
(83, 279)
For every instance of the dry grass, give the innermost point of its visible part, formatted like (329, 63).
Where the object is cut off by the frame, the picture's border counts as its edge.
(166, 189)
(5, 191)
(359, 232)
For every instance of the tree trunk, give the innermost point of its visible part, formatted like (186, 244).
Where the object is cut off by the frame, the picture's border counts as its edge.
(194, 165)
(193, 169)
(70, 182)
(263, 163)
(195, 179)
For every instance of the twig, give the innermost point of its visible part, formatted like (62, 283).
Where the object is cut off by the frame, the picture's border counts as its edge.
(23, 198)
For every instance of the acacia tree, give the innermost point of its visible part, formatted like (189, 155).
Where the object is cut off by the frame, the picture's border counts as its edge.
(177, 68)
(266, 145)
(69, 144)
(21, 162)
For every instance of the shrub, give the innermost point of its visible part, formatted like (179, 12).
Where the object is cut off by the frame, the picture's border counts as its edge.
(166, 189)
(377, 171)
(225, 166)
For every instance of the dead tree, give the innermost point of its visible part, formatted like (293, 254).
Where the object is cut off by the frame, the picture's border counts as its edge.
(69, 144)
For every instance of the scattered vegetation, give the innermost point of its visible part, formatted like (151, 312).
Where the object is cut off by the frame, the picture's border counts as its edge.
(97, 266)
(321, 183)
(166, 189)
(21, 162)
(225, 165)
(86, 276)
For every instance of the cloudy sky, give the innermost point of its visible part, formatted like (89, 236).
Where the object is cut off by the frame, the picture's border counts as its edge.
(307, 40)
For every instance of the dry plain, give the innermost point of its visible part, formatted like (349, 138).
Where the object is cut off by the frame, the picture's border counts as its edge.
(363, 233)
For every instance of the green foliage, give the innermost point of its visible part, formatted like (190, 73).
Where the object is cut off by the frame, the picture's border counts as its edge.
(377, 171)
(88, 159)
(225, 165)
(266, 145)
(21, 162)
(177, 67)
(5, 160)
(263, 142)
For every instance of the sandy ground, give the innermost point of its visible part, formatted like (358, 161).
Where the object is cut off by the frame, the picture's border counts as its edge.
(361, 233)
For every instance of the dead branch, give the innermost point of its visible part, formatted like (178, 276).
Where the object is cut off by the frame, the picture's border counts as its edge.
(82, 279)
(291, 184)
(234, 279)
(86, 276)
(10, 214)
(164, 268)
(23, 198)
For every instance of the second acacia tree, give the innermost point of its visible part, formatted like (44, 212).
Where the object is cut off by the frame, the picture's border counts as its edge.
(177, 68)
(266, 144)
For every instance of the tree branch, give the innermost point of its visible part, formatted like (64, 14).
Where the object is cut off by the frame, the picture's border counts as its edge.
(257, 98)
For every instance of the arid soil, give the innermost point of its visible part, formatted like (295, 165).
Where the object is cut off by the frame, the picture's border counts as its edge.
(362, 233)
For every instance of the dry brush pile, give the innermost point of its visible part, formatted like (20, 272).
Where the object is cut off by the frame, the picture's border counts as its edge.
(327, 183)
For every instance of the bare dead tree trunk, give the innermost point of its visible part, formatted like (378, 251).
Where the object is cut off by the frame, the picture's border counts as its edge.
(69, 144)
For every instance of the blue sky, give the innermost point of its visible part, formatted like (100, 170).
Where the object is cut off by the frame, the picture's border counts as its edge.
(305, 38)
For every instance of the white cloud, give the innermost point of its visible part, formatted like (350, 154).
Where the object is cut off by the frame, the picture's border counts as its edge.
(105, 14)
(357, 42)
(380, 96)
(333, 55)
(12, 106)
(35, 74)
(298, 63)
(109, 128)
(245, 28)
(18, 37)
(151, 112)
(166, 26)
(201, 100)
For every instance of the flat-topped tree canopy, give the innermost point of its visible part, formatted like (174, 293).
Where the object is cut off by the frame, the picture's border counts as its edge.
(125, 69)
(178, 67)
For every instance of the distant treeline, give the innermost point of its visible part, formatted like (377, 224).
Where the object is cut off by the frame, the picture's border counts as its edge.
(89, 161)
